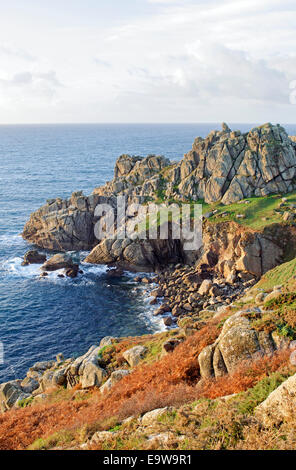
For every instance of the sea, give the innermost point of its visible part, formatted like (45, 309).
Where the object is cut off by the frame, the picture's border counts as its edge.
(40, 317)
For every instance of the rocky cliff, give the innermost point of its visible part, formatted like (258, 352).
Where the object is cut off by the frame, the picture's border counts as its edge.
(64, 224)
(226, 166)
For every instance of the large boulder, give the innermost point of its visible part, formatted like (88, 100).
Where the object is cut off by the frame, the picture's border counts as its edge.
(152, 417)
(59, 377)
(205, 287)
(86, 370)
(114, 378)
(93, 374)
(107, 341)
(58, 261)
(29, 384)
(280, 404)
(205, 360)
(42, 366)
(237, 342)
(33, 257)
(10, 392)
(134, 355)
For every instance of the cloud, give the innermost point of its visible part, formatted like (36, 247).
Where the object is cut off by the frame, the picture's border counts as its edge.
(28, 78)
(35, 89)
(167, 2)
(16, 53)
(18, 79)
(168, 60)
(104, 63)
(201, 55)
(221, 71)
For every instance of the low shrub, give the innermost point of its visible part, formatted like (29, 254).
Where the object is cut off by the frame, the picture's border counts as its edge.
(260, 391)
(173, 380)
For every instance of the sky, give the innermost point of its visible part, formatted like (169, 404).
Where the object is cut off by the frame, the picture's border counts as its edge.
(170, 61)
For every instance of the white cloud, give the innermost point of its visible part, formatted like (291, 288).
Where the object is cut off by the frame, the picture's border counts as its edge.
(167, 2)
(102, 62)
(184, 61)
(26, 90)
(16, 53)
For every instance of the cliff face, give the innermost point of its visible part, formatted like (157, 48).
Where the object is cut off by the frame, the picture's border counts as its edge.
(63, 224)
(230, 166)
(231, 249)
(225, 166)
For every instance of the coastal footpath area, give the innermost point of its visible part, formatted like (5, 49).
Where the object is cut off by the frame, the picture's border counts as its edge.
(223, 373)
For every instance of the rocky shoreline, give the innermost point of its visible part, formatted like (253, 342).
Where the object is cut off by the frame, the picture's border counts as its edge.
(226, 166)
(193, 288)
(185, 298)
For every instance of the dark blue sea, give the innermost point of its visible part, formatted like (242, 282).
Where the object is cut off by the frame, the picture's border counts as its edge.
(41, 317)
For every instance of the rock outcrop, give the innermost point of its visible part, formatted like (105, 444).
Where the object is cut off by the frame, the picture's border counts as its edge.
(58, 261)
(237, 342)
(136, 177)
(13, 392)
(64, 225)
(232, 249)
(43, 376)
(225, 166)
(33, 257)
(137, 254)
(230, 166)
(280, 405)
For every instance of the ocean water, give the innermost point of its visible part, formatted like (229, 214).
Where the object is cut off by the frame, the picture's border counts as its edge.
(41, 317)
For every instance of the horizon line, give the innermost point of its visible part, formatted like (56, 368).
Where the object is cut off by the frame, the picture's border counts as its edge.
(134, 123)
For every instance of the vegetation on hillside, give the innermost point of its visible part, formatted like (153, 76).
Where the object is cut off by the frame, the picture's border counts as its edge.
(200, 420)
(258, 213)
(67, 418)
(283, 274)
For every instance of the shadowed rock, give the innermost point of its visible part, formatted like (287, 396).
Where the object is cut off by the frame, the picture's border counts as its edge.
(237, 342)
(33, 257)
(59, 261)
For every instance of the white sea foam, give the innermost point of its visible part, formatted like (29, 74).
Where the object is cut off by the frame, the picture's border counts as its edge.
(11, 240)
(97, 269)
(150, 320)
(13, 267)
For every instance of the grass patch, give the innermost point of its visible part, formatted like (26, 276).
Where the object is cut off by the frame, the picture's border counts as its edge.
(115, 428)
(154, 346)
(167, 418)
(61, 438)
(260, 392)
(259, 213)
(25, 402)
(282, 274)
(280, 316)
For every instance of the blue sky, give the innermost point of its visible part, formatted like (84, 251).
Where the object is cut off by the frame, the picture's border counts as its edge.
(147, 60)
